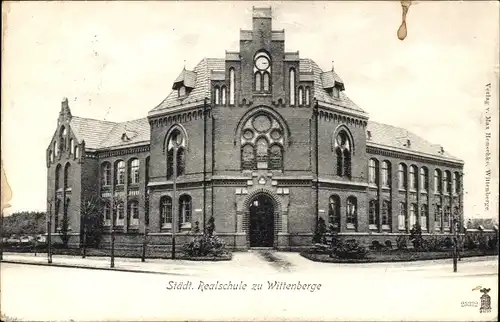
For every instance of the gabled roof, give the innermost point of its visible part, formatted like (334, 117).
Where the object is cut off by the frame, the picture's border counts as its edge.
(128, 133)
(214, 68)
(104, 134)
(201, 88)
(90, 130)
(307, 66)
(186, 78)
(396, 137)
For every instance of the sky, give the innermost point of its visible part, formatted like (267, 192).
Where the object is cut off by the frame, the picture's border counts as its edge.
(117, 61)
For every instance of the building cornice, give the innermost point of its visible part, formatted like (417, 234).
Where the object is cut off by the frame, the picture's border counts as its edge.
(401, 153)
(175, 109)
(341, 109)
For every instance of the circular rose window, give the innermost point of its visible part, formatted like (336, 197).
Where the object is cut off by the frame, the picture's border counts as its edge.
(261, 123)
(276, 134)
(248, 134)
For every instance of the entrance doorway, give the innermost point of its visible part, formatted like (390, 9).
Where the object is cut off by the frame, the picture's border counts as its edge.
(261, 222)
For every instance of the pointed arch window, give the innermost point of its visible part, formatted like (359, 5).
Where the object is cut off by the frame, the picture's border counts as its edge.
(343, 150)
(106, 174)
(176, 147)
(447, 182)
(77, 151)
(301, 96)
(134, 171)
(292, 86)
(402, 178)
(262, 143)
(456, 183)
(266, 82)
(166, 211)
(106, 214)
(437, 216)
(308, 96)
(248, 157)
(424, 179)
(447, 218)
(71, 146)
(185, 209)
(438, 182)
(373, 172)
(217, 95)
(223, 93)
(423, 216)
(232, 85)
(351, 212)
(67, 209)
(55, 149)
(120, 172)
(402, 216)
(413, 215)
(58, 176)
(67, 175)
(119, 214)
(413, 178)
(258, 81)
(334, 211)
(133, 213)
(63, 139)
(386, 174)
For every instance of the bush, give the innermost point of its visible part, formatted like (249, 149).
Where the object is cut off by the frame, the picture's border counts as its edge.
(205, 245)
(431, 244)
(388, 244)
(320, 232)
(401, 242)
(447, 242)
(416, 237)
(350, 249)
(376, 245)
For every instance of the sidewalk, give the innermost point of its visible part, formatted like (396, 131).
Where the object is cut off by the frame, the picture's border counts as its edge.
(241, 262)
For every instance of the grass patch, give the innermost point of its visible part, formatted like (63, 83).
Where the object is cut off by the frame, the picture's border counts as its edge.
(397, 256)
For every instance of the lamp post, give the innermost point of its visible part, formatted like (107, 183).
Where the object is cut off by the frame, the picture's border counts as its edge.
(112, 233)
(146, 211)
(49, 235)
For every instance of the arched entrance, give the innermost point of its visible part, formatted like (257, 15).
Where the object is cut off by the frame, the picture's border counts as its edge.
(261, 221)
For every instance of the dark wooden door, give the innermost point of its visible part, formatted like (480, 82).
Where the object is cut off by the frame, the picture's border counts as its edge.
(261, 222)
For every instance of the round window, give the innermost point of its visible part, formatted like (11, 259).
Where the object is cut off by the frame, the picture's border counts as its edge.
(276, 134)
(248, 134)
(261, 123)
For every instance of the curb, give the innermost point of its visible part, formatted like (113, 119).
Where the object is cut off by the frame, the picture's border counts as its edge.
(90, 267)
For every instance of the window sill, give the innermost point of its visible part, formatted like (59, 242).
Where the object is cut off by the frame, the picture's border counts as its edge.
(372, 185)
(372, 227)
(387, 188)
(423, 191)
(350, 226)
(413, 190)
(386, 227)
(402, 190)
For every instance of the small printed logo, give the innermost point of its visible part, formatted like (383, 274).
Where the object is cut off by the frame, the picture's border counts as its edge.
(485, 299)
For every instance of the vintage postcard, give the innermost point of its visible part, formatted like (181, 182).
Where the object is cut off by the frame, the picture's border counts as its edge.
(234, 160)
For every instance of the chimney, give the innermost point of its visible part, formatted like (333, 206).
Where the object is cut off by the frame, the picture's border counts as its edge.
(408, 143)
(368, 135)
(441, 150)
(333, 65)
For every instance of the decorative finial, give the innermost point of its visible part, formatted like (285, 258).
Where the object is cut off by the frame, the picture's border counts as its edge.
(333, 65)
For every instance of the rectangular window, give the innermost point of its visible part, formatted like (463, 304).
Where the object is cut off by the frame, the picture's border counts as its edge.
(437, 217)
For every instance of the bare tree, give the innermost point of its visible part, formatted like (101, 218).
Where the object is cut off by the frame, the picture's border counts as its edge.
(116, 200)
(92, 222)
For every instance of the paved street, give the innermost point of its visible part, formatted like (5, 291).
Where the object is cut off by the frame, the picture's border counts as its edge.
(399, 291)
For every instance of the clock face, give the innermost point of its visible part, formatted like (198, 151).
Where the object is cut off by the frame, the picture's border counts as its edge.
(262, 63)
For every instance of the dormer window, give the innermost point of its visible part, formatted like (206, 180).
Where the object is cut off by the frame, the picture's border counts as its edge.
(184, 83)
(125, 137)
(181, 91)
(335, 92)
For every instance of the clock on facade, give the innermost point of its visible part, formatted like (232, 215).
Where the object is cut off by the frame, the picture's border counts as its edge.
(262, 63)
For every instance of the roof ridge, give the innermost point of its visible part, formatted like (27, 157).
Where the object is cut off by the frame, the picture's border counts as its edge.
(93, 119)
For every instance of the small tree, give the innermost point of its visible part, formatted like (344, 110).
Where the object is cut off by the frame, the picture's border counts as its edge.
(416, 237)
(211, 226)
(92, 221)
(65, 230)
(320, 232)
